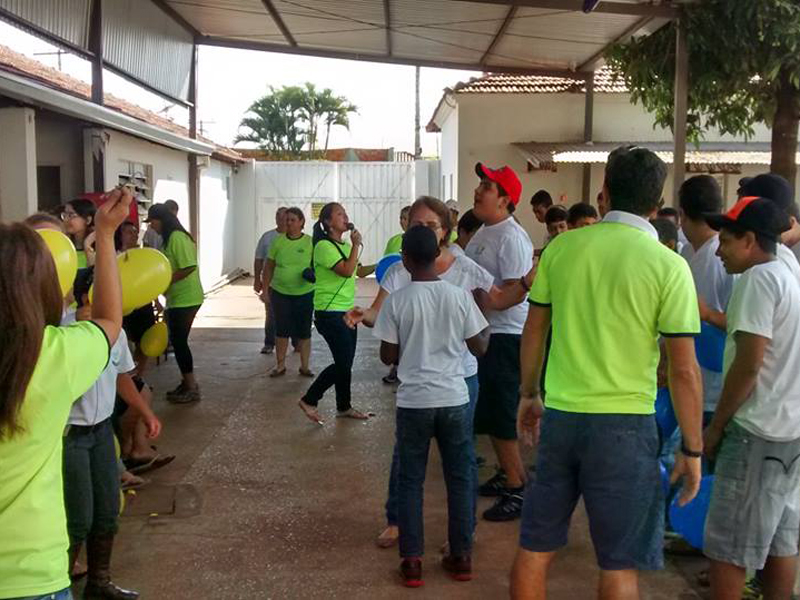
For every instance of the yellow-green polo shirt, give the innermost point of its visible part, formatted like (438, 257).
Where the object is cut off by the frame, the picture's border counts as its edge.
(332, 291)
(291, 258)
(181, 251)
(394, 245)
(33, 524)
(613, 290)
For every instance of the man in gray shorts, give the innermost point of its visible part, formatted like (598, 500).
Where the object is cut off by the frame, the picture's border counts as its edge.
(754, 518)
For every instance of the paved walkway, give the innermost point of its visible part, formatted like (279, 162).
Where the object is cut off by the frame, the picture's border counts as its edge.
(260, 503)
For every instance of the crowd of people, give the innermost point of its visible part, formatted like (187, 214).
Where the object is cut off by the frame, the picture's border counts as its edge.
(76, 423)
(563, 347)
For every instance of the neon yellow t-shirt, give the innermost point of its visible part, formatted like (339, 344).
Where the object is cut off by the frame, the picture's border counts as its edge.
(291, 258)
(332, 291)
(33, 523)
(453, 236)
(613, 290)
(182, 253)
(394, 245)
(81, 254)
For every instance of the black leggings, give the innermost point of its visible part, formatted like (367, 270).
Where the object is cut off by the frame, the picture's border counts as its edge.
(342, 343)
(179, 323)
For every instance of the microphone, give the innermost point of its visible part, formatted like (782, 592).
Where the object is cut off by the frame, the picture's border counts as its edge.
(351, 226)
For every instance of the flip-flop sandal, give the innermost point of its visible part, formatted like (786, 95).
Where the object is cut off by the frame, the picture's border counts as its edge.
(137, 466)
(352, 413)
(310, 412)
(306, 372)
(277, 373)
(386, 539)
(134, 484)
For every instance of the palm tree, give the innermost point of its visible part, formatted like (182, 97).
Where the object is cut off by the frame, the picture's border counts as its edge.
(273, 121)
(336, 111)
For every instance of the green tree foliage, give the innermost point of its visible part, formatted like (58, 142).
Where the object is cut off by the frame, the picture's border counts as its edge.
(288, 120)
(744, 68)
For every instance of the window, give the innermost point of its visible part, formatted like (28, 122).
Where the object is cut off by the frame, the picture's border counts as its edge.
(140, 176)
(48, 183)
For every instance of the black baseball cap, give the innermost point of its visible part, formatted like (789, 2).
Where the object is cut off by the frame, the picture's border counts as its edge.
(157, 212)
(752, 213)
(770, 186)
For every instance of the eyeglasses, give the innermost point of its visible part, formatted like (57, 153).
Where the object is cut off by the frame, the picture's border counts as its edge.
(66, 216)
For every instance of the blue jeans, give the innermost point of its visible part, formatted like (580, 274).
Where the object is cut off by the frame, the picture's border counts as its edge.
(65, 594)
(91, 481)
(391, 498)
(415, 429)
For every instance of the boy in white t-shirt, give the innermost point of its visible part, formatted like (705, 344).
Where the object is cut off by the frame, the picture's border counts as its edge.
(753, 520)
(422, 329)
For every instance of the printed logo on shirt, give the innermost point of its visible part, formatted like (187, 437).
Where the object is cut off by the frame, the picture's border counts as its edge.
(480, 250)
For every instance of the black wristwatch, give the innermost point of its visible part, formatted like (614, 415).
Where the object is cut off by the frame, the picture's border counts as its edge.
(690, 453)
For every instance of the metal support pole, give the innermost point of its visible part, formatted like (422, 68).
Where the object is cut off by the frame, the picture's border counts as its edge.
(681, 108)
(194, 172)
(588, 132)
(417, 145)
(96, 48)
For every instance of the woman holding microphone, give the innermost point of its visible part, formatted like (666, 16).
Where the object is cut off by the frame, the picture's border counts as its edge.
(335, 264)
(43, 369)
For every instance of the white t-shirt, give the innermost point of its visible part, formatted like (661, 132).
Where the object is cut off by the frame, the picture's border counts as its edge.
(796, 251)
(464, 273)
(766, 302)
(714, 285)
(456, 250)
(506, 251)
(430, 320)
(97, 404)
(787, 257)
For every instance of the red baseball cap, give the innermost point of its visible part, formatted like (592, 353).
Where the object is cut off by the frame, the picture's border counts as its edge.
(504, 176)
(752, 213)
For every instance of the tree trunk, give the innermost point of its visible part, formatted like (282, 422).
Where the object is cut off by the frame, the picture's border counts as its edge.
(327, 137)
(784, 130)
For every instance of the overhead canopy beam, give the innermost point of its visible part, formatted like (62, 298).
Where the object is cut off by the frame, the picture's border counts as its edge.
(276, 16)
(176, 16)
(387, 22)
(614, 8)
(589, 63)
(381, 58)
(500, 33)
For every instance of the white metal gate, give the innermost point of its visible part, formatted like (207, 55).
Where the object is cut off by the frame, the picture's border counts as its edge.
(372, 193)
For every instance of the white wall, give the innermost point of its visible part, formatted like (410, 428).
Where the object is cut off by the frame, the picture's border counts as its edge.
(170, 168)
(449, 169)
(217, 232)
(484, 126)
(59, 143)
(245, 220)
(18, 196)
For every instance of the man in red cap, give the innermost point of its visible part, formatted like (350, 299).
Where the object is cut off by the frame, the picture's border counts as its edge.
(504, 249)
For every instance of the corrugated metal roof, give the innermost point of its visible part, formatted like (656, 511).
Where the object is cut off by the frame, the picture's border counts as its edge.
(67, 19)
(140, 39)
(543, 155)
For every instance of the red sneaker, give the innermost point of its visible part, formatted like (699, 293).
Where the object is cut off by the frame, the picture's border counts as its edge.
(459, 567)
(411, 572)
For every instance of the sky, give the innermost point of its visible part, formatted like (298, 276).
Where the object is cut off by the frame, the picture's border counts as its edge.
(230, 80)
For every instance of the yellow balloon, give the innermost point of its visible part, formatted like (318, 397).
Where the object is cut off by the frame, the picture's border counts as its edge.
(145, 274)
(64, 257)
(154, 340)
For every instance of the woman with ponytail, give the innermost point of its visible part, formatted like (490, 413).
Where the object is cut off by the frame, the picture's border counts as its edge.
(43, 369)
(335, 263)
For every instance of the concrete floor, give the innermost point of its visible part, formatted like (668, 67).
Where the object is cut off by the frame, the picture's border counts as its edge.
(260, 503)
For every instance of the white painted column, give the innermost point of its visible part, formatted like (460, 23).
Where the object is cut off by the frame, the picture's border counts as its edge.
(18, 193)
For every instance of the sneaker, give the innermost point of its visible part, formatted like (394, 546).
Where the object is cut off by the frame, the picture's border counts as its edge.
(267, 350)
(411, 572)
(507, 508)
(460, 567)
(495, 487)
(185, 397)
(177, 391)
(390, 379)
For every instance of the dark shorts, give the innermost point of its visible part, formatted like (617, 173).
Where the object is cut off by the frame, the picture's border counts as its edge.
(498, 395)
(293, 315)
(137, 322)
(612, 461)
